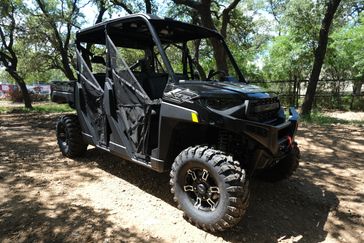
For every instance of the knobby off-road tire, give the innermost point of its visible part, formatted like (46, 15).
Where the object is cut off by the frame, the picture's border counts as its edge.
(69, 136)
(220, 183)
(284, 168)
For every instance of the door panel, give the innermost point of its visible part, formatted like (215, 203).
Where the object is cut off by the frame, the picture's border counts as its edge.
(133, 106)
(90, 94)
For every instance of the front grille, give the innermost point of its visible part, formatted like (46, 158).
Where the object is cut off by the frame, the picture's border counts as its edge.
(263, 110)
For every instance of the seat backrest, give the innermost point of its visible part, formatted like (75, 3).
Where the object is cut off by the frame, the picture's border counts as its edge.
(155, 84)
(100, 77)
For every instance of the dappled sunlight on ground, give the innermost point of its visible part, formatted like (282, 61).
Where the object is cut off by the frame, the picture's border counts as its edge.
(340, 170)
(47, 197)
(346, 115)
(36, 184)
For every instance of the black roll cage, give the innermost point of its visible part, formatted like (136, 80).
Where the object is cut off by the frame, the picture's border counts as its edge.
(107, 25)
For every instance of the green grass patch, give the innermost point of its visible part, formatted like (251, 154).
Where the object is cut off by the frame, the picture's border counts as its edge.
(3, 109)
(321, 119)
(38, 108)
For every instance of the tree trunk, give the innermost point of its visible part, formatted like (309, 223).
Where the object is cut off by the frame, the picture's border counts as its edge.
(20, 82)
(102, 9)
(25, 93)
(148, 6)
(196, 60)
(203, 8)
(356, 91)
(66, 64)
(320, 53)
(8, 56)
(358, 86)
(219, 51)
(293, 96)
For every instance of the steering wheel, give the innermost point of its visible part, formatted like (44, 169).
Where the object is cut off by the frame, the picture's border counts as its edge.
(213, 73)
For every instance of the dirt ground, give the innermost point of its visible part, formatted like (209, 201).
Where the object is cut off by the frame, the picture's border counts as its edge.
(46, 197)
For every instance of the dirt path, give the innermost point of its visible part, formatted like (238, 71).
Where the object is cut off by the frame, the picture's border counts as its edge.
(46, 197)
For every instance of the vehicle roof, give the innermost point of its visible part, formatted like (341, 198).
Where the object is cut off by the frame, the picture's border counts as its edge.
(132, 31)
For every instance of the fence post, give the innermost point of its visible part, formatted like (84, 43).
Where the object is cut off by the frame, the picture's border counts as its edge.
(294, 91)
(352, 101)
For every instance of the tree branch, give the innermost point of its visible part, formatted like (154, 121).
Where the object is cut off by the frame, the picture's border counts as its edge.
(69, 24)
(122, 5)
(102, 9)
(51, 23)
(12, 27)
(9, 46)
(190, 3)
(226, 17)
(3, 39)
(272, 7)
(4, 58)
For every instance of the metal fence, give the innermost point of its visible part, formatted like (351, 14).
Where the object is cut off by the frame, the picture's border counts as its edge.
(331, 94)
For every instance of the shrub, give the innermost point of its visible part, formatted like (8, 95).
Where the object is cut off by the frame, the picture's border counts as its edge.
(17, 96)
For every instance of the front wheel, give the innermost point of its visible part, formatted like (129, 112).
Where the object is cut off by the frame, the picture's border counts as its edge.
(210, 188)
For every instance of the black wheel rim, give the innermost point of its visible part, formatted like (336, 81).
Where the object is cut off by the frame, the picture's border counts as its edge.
(202, 189)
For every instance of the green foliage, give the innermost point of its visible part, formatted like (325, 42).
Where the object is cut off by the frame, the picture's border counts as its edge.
(292, 52)
(302, 20)
(347, 49)
(272, 40)
(287, 59)
(5, 77)
(38, 108)
(34, 66)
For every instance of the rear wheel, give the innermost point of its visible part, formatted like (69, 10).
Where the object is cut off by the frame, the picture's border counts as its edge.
(210, 188)
(69, 136)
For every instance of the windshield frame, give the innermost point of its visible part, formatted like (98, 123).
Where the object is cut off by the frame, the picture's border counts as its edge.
(212, 34)
(97, 35)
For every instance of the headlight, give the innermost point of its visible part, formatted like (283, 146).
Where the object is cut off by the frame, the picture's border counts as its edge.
(221, 103)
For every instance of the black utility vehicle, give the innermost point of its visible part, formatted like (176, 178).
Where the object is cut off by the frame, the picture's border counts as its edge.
(145, 94)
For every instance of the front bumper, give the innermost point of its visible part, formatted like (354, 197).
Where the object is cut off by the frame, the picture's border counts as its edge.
(275, 140)
(278, 138)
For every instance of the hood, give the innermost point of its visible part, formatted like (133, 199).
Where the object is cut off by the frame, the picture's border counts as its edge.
(187, 90)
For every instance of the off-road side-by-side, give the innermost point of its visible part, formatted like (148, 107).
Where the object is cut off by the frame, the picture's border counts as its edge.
(211, 132)
(46, 197)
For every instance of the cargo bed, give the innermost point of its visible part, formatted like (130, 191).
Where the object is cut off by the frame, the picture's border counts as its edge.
(62, 92)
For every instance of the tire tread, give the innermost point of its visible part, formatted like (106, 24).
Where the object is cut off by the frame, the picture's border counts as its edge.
(234, 177)
(76, 146)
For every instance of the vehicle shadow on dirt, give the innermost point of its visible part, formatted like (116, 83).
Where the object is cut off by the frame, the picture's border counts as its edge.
(294, 210)
(291, 209)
